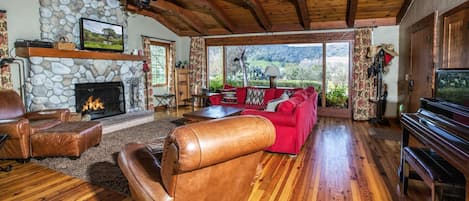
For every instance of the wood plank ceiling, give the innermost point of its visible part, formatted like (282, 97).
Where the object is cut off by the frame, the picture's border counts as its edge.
(221, 17)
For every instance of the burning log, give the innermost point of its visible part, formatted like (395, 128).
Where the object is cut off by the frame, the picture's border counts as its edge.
(93, 104)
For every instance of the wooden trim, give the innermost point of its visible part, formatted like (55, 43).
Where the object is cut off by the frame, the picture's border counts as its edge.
(184, 14)
(281, 39)
(329, 25)
(167, 48)
(303, 14)
(324, 69)
(259, 13)
(405, 6)
(388, 21)
(80, 54)
(351, 12)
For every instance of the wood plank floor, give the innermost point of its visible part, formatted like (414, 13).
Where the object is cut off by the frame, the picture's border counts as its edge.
(340, 161)
(31, 181)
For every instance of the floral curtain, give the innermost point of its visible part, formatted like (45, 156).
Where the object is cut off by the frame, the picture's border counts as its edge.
(172, 65)
(362, 86)
(148, 87)
(5, 72)
(197, 65)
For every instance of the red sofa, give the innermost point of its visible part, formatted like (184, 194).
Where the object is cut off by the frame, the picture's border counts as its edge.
(293, 119)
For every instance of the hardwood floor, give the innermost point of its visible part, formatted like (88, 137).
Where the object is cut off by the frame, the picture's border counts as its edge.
(30, 181)
(340, 161)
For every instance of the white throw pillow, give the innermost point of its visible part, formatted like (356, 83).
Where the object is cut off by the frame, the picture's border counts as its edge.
(272, 105)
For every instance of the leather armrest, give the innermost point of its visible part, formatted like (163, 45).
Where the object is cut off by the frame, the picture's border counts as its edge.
(59, 114)
(15, 128)
(277, 118)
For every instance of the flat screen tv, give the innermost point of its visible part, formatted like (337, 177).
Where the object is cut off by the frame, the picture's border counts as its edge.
(452, 85)
(102, 36)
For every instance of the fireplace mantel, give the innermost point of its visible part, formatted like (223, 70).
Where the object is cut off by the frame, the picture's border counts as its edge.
(80, 54)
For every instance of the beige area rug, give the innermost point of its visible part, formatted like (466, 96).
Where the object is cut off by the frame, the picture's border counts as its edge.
(98, 165)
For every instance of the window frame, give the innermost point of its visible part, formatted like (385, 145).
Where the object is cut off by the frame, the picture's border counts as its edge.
(167, 52)
(324, 38)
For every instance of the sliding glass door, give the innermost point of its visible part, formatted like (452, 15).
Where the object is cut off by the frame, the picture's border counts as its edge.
(326, 66)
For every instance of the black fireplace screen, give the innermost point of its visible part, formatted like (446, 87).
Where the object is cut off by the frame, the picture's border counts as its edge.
(100, 99)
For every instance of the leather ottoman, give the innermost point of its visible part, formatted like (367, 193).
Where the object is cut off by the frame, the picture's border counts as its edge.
(66, 139)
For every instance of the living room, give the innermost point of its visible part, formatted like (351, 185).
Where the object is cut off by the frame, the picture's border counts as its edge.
(341, 139)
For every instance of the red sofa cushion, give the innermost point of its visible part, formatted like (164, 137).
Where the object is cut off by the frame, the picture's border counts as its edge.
(289, 105)
(300, 94)
(269, 95)
(241, 94)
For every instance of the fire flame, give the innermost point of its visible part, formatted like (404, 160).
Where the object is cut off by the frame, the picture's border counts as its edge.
(91, 104)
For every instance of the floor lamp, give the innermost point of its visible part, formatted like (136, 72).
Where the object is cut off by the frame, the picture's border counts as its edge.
(273, 72)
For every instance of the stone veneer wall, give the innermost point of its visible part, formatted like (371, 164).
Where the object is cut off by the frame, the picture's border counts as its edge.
(61, 17)
(51, 81)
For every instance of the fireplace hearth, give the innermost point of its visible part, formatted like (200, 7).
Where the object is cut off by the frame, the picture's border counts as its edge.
(100, 100)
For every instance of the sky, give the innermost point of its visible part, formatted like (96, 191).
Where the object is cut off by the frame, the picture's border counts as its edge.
(97, 27)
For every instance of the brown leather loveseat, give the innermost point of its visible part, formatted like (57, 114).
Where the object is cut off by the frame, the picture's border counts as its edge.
(42, 133)
(212, 160)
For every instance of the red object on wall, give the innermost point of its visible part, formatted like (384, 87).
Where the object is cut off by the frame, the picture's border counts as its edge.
(145, 69)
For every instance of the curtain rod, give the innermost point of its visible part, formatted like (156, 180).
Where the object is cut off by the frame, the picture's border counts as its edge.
(157, 38)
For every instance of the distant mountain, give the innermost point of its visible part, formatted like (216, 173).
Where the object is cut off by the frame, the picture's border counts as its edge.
(294, 53)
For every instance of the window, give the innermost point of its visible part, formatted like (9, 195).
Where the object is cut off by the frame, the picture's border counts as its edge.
(215, 67)
(159, 53)
(321, 60)
(300, 65)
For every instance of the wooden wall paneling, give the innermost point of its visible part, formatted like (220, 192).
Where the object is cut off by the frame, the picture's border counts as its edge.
(455, 43)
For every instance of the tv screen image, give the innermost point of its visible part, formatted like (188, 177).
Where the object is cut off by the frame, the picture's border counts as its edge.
(97, 35)
(453, 85)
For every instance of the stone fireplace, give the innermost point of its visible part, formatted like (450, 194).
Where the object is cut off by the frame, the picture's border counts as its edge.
(100, 99)
(52, 81)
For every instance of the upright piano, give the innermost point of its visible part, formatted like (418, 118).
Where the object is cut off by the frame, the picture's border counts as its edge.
(443, 127)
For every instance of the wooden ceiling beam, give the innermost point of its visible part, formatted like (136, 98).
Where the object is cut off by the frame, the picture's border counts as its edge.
(388, 21)
(185, 15)
(156, 16)
(351, 12)
(405, 6)
(258, 11)
(303, 14)
(218, 13)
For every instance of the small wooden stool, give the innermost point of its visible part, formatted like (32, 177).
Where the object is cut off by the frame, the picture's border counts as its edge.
(436, 172)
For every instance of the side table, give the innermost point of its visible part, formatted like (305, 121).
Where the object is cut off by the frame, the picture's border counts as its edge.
(164, 99)
(3, 138)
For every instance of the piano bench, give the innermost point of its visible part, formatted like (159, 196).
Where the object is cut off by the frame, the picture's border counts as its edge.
(437, 173)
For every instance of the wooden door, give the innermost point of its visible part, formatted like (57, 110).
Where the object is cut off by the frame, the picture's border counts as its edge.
(422, 51)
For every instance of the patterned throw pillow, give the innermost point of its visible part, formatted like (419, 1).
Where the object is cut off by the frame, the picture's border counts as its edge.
(255, 96)
(228, 96)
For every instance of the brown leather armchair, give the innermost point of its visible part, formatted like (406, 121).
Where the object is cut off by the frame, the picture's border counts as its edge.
(212, 160)
(19, 124)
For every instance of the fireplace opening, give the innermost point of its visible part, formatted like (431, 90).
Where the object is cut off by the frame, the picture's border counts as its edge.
(100, 99)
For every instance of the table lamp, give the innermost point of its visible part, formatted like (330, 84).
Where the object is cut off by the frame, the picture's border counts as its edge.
(272, 72)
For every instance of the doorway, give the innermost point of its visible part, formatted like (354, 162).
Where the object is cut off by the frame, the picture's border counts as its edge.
(422, 55)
